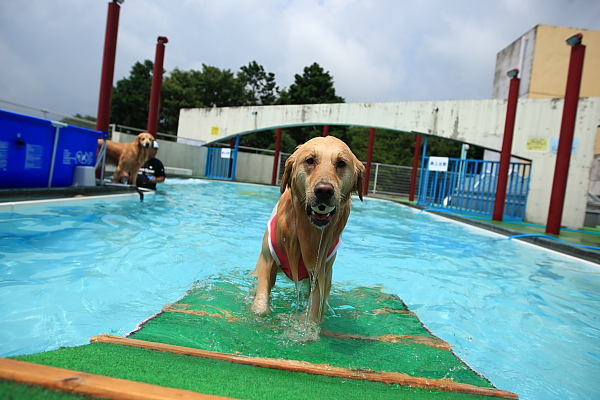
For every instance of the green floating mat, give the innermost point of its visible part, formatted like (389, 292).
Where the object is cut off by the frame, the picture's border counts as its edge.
(367, 330)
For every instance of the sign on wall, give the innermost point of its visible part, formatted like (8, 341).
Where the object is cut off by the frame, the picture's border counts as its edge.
(438, 164)
(537, 144)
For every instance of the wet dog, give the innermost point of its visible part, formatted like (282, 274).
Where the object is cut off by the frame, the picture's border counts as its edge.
(306, 226)
(128, 157)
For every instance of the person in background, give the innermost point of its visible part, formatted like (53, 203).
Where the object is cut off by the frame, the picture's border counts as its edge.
(152, 172)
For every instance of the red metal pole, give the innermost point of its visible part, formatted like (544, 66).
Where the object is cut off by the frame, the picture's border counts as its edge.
(369, 158)
(509, 129)
(108, 66)
(276, 161)
(567, 129)
(156, 85)
(325, 130)
(413, 179)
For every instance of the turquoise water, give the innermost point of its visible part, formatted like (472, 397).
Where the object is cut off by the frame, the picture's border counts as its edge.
(527, 318)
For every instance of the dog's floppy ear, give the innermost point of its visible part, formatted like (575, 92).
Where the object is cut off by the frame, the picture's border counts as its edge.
(286, 181)
(359, 174)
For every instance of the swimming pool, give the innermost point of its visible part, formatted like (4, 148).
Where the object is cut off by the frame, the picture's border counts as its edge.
(525, 317)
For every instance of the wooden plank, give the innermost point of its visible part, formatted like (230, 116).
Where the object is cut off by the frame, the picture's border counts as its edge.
(447, 385)
(96, 385)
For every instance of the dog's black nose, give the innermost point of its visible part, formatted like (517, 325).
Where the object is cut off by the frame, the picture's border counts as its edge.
(324, 191)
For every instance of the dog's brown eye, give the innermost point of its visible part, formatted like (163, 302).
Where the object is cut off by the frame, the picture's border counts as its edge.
(310, 161)
(341, 164)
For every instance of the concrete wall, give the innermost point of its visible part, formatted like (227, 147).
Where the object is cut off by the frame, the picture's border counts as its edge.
(175, 155)
(477, 122)
(256, 168)
(251, 167)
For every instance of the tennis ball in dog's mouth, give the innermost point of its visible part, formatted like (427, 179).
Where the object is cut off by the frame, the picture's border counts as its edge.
(323, 209)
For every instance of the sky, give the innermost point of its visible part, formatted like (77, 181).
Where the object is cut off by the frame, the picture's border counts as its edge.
(375, 50)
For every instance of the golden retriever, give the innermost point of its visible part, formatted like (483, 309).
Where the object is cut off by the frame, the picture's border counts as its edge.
(128, 157)
(304, 232)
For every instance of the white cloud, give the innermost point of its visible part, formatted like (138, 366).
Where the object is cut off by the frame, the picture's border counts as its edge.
(376, 50)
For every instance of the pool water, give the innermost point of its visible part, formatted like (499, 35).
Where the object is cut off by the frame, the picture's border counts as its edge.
(526, 317)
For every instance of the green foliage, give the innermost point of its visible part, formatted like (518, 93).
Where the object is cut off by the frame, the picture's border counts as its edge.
(314, 86)
(131, 97)
(211, 87)
(260, 86)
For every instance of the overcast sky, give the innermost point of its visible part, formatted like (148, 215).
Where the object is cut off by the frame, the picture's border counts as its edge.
(376, 50)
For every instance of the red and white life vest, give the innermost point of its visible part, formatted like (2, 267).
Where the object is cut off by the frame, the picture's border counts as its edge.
(281, 257)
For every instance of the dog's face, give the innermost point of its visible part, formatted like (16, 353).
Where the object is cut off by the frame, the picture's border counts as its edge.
(145, 140)
(323, 173)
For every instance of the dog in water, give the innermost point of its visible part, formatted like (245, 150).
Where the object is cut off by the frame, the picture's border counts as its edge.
(305, 229)
(128, 157)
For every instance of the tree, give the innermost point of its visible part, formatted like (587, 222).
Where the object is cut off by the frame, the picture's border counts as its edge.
(314, 86)
(210, 87)
(220, 88)
(260, 86)
(131, 97)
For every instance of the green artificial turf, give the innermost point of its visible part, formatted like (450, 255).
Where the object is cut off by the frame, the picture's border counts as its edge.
(220, 377)
(10, 390)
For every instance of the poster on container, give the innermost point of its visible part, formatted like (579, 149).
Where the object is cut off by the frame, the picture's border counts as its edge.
(438, 164)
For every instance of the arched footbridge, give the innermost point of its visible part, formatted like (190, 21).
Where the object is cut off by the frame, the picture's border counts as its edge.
(476, 122)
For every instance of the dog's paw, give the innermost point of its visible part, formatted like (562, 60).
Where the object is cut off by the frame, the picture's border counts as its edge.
(261, 306)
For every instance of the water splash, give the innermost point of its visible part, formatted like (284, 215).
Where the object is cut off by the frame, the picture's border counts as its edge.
(298, 329)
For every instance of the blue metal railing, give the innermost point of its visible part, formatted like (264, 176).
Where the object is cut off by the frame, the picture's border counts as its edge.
(221, 162)
(469, 186)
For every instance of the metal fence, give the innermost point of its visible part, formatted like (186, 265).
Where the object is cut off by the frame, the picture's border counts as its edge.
(392, 180)
(221, 162)
(469, 186)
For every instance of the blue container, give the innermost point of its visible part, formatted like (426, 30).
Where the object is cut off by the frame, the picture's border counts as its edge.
(27, 147)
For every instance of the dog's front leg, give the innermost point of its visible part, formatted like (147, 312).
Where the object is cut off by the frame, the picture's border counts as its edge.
(266, 271)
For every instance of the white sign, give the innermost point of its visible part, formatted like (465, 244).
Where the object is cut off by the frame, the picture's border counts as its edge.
(225, 153)
(438, 164)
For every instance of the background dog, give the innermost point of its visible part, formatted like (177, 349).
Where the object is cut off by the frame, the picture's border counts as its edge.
(128, 157)
(305, 228)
